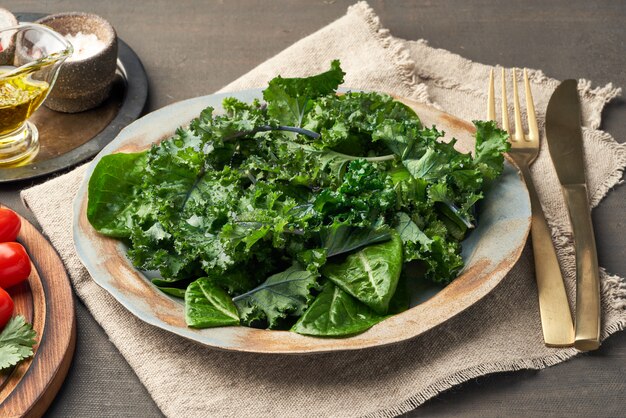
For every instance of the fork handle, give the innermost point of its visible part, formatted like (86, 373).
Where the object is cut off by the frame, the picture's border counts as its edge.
(587, 275)
(556, 317)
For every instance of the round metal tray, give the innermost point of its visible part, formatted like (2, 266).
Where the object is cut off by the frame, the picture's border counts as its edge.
(68, 139)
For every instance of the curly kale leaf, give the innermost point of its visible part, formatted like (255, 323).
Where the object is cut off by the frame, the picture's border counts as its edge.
(289, 99)
(491, 144)
(354, 122)
(365, 194)
(282, 296)
(439, 254)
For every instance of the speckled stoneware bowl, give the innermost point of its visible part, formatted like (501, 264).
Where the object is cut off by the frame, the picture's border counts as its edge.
(6, 51)
(83, 84)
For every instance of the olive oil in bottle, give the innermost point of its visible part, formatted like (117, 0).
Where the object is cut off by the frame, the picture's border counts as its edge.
(20, 96)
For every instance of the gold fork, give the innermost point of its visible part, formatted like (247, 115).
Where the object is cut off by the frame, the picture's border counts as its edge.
(556, 318)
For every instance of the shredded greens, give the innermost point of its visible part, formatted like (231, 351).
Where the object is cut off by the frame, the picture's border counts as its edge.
(300, 211)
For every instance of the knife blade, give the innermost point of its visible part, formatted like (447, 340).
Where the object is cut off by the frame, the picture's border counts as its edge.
(564, 137)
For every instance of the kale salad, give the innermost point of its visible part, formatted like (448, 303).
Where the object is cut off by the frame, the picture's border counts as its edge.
(308, 210)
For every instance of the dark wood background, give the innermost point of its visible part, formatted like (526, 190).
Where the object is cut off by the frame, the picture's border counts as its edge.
(191, 48)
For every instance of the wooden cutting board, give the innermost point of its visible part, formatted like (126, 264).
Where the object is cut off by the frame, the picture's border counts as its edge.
(45, 301)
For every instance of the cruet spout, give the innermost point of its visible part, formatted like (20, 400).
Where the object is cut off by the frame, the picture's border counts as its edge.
(39, 54)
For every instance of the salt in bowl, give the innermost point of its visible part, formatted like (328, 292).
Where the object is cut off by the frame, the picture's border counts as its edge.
(86, 78)
(6, 51)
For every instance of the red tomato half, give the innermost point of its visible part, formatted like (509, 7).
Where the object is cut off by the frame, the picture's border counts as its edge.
(9, 225)
(14, 264)
(6, 308)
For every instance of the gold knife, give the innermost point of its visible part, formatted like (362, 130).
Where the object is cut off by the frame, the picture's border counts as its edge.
(565, 142)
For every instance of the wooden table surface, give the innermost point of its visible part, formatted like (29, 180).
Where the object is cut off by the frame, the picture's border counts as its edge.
(193, 47)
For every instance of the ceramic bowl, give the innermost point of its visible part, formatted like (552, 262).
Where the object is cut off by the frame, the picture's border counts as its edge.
(6, 51)
(83, 82)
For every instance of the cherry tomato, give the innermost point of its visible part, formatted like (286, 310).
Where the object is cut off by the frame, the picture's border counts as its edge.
(14, 264)
(6, 308)
(9, 225)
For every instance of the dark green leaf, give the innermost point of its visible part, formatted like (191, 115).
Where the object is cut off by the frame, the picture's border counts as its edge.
(335, 313)
(285, 294)
(491, 144)
(358, 123)
(430, 167)
(365, 194)
(410, 233)
(340, 238)
(207, 306)
(401, 299)
(371, 274)
(112, 190)
(336, 163)
(173, 291)
(288, 99)
(313, 259)
(440, 193)
(444, 260)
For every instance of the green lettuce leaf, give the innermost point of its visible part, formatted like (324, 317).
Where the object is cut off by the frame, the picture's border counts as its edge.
(208, 306)
(401, 299)
(173, 291)
(111, 192)
(371, 274)
(335, 313)
(340, 238)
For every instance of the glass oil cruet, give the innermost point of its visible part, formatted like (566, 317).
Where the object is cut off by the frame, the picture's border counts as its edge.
(39, 52)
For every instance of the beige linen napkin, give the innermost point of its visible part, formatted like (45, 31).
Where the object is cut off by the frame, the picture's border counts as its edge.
(501, 333)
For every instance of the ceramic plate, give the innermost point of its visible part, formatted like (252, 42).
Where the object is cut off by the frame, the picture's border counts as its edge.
(489, 251)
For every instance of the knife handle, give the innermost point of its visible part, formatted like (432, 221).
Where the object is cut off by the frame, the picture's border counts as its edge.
(587, 275)
(556, 317)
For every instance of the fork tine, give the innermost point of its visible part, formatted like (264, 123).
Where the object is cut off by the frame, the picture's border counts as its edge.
(505, 106)
(491, 100)
(533, 131)
(519, 131)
